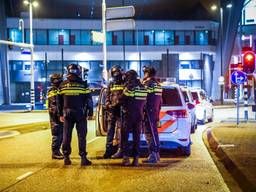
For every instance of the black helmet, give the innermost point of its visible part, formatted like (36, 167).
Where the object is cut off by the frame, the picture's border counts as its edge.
(116, 71)
(131, 75)
(74, 69)
(56, 79)
(150, 70)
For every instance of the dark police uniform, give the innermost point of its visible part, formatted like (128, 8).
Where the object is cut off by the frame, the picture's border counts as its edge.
(76, 104)
(56, 125)
(113, 95)
(152, 110)
(133, 100)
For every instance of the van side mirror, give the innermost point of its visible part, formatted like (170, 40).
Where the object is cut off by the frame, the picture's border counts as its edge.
(190, 106)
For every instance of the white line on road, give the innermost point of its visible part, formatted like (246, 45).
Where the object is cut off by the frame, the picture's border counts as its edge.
(24, 176)
(226, 145)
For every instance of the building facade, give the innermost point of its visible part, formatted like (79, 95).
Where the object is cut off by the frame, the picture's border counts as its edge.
(184, 50)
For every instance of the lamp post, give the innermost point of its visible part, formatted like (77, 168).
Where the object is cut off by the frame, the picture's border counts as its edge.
(214, 8)
(32, 66)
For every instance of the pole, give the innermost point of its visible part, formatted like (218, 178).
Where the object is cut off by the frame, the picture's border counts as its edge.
(62, 61)
(124, 43)
(140, 63)
(246, 100)
(221, 54)
(237, 104)
(32, 70)
(46, 70)
(167, 61)
(105, 71)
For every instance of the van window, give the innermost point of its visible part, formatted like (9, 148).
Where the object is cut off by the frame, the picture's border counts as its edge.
(171, 97)
(195, 96)
(185, 95)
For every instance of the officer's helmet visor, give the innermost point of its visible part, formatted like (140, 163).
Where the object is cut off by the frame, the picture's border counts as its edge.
(73, 71)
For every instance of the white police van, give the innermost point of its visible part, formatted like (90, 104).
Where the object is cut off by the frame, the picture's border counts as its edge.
(174, 125)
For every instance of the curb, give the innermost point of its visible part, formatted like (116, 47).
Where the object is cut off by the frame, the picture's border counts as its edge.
(7, 134)
(232, 168)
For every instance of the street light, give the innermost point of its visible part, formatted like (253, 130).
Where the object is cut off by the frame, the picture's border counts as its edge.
(214, 8)
(32, 84)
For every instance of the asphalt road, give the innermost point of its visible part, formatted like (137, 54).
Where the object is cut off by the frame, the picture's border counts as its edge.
(26, 165)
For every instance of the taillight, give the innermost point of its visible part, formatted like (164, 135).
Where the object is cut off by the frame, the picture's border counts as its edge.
(178, 113)
(197, 102)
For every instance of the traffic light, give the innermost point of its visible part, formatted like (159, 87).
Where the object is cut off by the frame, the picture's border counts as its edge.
(249, 62)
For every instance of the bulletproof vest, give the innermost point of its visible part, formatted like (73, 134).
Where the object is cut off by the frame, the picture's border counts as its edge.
(52, 99)
(116, 91)
(74, 94)
(135, 99)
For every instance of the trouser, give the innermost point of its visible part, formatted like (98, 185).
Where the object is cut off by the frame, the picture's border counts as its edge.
(151, 133)
(72, 117)
(135, 128)
(57, 132)
(113, 126)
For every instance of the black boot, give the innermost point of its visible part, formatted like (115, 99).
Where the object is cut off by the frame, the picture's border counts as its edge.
(107, 154)
(85, 161)
(67, 161)
(135, 161)
(57, 155)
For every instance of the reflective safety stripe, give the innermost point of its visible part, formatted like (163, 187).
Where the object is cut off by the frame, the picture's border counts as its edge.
(117, 88)
(141, 98)
(52, 93)
(75, 91)
(128, 93)
(157, 90)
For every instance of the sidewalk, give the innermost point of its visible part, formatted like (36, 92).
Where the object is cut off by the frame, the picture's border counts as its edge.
(236, 148)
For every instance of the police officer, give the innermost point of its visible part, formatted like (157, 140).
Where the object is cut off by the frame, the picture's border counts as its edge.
(133, 101)
(76, 107)
(113, 95)
(152, 111)
(56, 125)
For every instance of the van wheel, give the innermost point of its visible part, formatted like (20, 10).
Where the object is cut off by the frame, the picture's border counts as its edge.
(186, 150)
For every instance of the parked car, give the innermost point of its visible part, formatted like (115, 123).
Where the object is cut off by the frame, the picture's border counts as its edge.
(204, 108)
(174, 126)
(191, 107)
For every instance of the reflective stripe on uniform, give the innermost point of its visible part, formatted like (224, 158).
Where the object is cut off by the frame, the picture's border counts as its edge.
(137, 94)
(52, 93)
(74, 91)
(117, 88)
(157, 90)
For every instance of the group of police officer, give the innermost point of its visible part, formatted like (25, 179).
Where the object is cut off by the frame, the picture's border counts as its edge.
(131, 104)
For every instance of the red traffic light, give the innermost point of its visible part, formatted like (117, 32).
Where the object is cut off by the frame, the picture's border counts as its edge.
(249, 62)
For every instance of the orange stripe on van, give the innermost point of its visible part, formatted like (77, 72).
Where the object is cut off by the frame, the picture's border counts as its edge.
(166, 125)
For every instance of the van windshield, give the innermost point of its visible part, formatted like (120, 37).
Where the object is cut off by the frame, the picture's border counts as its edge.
(171, 97)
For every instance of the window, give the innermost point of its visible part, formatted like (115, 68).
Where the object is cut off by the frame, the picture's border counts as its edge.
(95, 71)
(75, 37)
(109, 38)
(63, 37)
(85, 37)
(53, 37)
(169, 38)
(171, 97)
(15, 35)
(185, 95)
(184, 64)
(189, 37)
(148, 38)
(117, 38)
(195, 64)
(17, 65)
(179, 38)
(195, 96)
(128, 37)
(40, 37)
(202, 37)
(159, 35)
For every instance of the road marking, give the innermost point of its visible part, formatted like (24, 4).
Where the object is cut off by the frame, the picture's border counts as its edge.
(226, 145)
(94, 139)
(24, 176)
(6, 134)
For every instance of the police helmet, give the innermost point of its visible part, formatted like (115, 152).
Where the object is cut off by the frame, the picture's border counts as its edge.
(56, 79)
(131, 75)
(150, 70)
(116, 71)
(74, 69)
